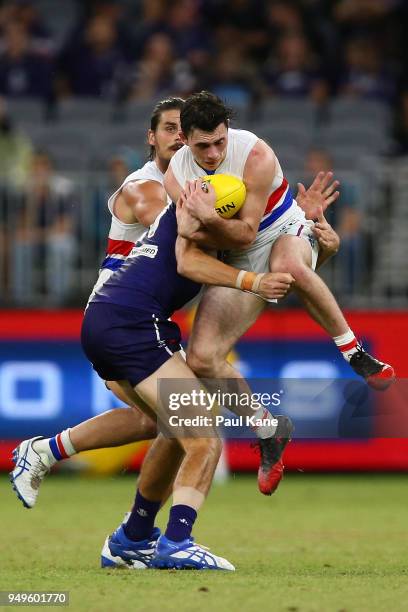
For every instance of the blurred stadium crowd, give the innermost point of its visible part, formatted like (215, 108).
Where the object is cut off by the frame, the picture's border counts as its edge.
(324, 81)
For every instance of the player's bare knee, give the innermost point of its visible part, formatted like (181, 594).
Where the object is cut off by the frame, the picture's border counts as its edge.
(202, 362)
(145, 423)
(279, 264)
(298, 269)
(149, 428)
(301, 273)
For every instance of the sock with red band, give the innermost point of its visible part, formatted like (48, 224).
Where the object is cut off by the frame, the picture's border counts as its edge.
(56, 448)
(347, 344)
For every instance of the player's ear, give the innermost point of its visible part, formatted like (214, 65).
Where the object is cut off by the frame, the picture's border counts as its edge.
(183, 137)
(151, 139)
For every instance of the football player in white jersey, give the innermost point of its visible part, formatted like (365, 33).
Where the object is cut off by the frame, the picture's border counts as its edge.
(133, 207)
(269, 233)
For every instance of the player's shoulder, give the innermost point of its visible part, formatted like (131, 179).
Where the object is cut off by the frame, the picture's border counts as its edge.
(148, 172)
(242, 135)
(261, 150)
(241, 142)
(260, 163)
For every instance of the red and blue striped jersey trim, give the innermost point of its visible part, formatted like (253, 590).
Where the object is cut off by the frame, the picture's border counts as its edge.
(116, 254)
(282, 208)
(276, 196)
(112, 263)
(119, 247)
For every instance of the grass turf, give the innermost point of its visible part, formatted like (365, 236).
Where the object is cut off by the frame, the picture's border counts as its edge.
(322, 543)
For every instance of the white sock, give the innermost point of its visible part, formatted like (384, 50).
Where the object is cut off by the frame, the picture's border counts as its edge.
(347, 344)
(42, 447)
(66, 440)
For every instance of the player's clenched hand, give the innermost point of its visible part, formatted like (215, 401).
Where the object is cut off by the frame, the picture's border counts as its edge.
(321, 193)
(275, 285)
(328, 239)
(186, 224)
(200, 202)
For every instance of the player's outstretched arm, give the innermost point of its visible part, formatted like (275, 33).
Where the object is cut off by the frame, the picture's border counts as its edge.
(196, 265)
(322, 193)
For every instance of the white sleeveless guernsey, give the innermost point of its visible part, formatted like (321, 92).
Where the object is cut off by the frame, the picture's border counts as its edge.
(123, 236)
(240, 144)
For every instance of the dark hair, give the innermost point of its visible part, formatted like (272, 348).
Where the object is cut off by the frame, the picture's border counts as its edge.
(163, 105)
(204, 111)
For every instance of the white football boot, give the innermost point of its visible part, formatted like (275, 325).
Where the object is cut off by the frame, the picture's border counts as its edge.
(31, 468)
(110, 561)
(121, 553)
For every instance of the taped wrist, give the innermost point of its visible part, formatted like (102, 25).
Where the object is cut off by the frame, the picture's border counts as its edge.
(248, 281)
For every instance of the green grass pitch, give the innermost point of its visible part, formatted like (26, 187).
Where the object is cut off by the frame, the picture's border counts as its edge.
(322, 543)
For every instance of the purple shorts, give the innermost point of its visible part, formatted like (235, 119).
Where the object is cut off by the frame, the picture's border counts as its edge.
(126, 343)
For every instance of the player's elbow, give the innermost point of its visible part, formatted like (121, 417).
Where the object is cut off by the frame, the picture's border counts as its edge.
(188, 265)
(186, 270)
(183, 265)
(181, 268)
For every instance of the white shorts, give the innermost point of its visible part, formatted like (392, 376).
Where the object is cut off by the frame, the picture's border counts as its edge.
(256, 257)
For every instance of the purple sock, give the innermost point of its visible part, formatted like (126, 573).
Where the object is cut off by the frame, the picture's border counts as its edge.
(141, 520)
(180, 523)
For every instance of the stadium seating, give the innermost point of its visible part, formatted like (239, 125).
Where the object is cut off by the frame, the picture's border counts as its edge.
(287, 110)
(364, 137)
(359, 111)
(69, 146)
(27, 110)
(85, 110)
